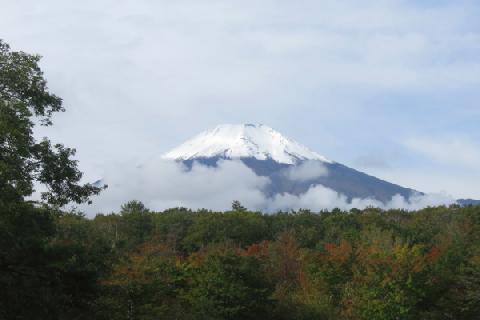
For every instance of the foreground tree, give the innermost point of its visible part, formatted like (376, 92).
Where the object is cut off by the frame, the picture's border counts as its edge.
(42, 274)
(24, 101)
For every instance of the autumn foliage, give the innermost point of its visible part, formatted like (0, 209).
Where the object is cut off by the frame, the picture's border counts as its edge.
(368, 264)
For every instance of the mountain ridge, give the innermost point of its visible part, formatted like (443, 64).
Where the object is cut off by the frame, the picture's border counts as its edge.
(270, 154)
(234, 141)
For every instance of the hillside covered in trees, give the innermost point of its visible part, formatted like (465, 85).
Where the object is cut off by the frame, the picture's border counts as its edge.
(183, 264)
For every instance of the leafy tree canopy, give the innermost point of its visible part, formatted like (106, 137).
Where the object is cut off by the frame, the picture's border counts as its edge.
(24, 102)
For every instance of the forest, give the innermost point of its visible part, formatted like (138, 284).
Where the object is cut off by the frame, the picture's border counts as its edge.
(137, 263)
(183, 264)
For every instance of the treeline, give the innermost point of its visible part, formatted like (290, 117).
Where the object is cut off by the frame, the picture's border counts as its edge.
(183, 264)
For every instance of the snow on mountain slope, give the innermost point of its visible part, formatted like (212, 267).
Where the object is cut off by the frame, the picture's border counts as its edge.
(244, 141)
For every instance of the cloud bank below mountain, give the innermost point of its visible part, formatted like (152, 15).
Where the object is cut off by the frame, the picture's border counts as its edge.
(162, 184)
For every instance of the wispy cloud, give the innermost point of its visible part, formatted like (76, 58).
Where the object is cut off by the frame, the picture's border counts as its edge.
(138, 76)
(307, 170)
(448, 149)
(163, 184)
(319, 198)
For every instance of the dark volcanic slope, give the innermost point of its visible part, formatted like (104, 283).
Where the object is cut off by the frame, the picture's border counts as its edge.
(342, 179)
(345, 180)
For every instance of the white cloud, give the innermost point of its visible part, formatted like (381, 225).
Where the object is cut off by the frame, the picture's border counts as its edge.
(420, 201)
(433, 179)
(139, 76)
(319, 197)
(162, 184)
(456, 151)
(307, 170)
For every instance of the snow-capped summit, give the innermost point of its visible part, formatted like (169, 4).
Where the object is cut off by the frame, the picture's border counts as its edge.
(233, 141)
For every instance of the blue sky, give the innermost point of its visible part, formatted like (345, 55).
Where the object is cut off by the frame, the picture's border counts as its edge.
(387, 87)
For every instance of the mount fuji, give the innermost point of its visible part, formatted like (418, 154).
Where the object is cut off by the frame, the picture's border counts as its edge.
(291, 167)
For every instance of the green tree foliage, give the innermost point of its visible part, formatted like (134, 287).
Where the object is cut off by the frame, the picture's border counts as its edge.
(363, 264)
(143, 285)
(45, 271)
(24, 101)
(137, 221)
(241, 228)
(244, 265)
(229, 286)
(237, 206)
